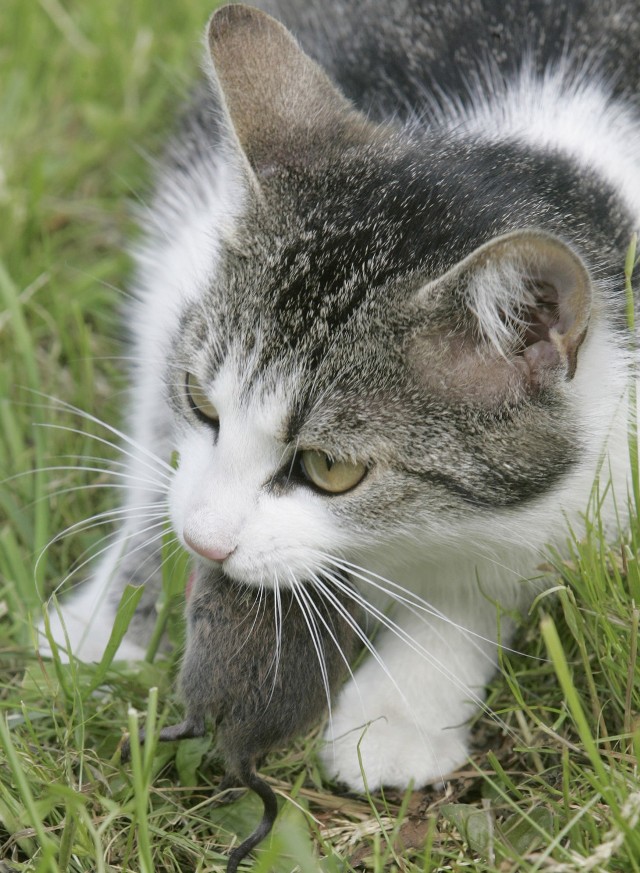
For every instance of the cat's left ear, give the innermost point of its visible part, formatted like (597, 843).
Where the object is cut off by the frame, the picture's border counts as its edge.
(513, 316)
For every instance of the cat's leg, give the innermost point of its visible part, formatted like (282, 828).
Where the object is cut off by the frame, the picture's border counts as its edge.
(408, 720)
(131, 556)
(83, 619)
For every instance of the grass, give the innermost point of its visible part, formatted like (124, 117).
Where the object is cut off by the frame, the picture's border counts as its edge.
(85, 86)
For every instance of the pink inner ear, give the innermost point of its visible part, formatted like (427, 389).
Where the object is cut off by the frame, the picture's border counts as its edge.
(539, 317)
(456, 367)
(541, 356)
(539, 322)
(547, 334)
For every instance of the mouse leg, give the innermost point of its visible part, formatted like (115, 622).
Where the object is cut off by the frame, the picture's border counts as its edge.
(192, 726)
(184, 730)
(230, 783)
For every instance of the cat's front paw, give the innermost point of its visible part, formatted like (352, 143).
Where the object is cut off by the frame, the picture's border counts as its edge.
(391, 751)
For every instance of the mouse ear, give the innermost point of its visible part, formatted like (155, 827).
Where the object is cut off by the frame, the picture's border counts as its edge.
(281, 104)
(512, 316)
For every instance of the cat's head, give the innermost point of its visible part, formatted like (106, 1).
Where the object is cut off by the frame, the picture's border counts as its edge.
(387, 347)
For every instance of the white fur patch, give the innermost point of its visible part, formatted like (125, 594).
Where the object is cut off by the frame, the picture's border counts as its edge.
(497, 293)
(221, 496)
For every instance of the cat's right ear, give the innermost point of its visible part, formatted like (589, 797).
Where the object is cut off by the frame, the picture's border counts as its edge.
(280, 105)
(511, 319)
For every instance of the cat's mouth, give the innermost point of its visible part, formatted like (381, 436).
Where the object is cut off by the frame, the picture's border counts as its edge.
(334, 580)
(188, 588)
(334, 587)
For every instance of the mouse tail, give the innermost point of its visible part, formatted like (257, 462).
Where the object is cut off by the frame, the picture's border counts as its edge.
(270, 803)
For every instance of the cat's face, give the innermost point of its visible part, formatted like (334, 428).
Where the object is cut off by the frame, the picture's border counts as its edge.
(298, 452)
(366, 367)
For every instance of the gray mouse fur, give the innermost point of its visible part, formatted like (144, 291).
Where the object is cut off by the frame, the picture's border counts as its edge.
(259, 686)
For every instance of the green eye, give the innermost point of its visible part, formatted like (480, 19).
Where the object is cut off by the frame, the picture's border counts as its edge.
(199, 401)
(336, 477)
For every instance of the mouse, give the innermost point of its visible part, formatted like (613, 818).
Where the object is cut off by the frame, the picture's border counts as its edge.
(252, 666)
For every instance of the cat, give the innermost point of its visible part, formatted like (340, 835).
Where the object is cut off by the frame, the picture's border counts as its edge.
(381, 317)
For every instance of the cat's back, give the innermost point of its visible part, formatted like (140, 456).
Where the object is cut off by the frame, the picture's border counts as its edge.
(559, 74)
(393, 59)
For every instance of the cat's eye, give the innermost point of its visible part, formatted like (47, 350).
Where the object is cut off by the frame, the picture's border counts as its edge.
(199, 402)
(336, 477)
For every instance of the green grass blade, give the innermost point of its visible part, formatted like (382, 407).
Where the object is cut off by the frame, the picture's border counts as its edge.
(126, 609)
(557, 655)
(24, 791)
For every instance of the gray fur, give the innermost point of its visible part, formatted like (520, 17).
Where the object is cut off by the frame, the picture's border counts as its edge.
(261, 686)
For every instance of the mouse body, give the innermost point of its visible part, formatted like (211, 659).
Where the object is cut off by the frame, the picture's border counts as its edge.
(262, 666)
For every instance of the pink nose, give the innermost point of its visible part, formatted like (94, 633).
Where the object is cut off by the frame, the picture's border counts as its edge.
(210, 552)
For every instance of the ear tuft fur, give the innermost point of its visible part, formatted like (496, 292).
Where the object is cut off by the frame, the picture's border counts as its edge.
(499, 297)
(531, 295)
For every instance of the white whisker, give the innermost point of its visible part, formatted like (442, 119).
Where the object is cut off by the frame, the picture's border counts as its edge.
(321, 589)
(301, 599)
(351, 621)
(113, 430)
(277, 619)
(169, 541)
(77, 468)
(158, 464)
(120, 535)
(108, 515)
(257, 604)
(419, 649)
(97, 486)
(411, 599)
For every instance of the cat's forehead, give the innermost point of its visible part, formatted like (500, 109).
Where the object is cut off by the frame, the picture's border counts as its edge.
(313, 292)
(318, 324)
(325, 260)
(368, 226)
